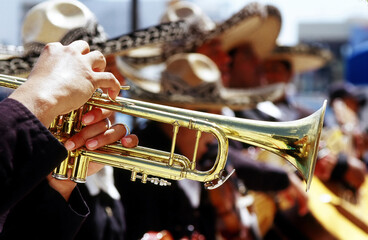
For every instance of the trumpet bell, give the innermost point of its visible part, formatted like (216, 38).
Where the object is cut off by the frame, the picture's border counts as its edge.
(296, 141)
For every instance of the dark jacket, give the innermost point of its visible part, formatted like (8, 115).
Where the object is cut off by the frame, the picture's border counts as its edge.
(28, 153)
(149, 207)
(26, 147)
(155, 208)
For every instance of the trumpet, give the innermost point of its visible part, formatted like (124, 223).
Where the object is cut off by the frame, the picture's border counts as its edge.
(296, 141)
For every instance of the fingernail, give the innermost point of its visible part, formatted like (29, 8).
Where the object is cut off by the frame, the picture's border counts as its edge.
(88, 118)
(69, 145)
(112, 94)
(128, 140)
(91, 143)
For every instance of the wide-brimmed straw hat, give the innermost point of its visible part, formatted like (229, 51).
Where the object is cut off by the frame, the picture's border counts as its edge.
(191, 80)
(255, 24)
(263, 39)
(302, 57)
(68, 20)
(183, 10)
(198, 22)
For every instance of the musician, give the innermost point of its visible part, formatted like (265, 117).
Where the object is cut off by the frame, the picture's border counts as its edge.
(239, 56)
(346, 165)
(62, 80)
(106, 214)
(243, 66)
(280, 67)
(151, 208)
(229, 53)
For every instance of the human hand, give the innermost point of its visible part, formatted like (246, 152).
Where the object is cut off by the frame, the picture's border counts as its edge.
(325, 164)
(63, 79)
(295, 194)
(356, 172)
(96, 134)
(162, 235)
(360, 140)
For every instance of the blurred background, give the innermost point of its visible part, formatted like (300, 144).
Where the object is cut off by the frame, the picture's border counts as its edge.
(340, 25)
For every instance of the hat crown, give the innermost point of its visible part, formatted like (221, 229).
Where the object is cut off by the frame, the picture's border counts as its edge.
(193, 69)
(51, 20)
(190, 12)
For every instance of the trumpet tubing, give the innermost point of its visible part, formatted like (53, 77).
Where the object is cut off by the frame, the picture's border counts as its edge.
(296, 141)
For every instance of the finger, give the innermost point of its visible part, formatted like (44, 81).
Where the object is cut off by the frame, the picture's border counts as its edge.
(94, 167)
(51, 46)
(87, 133)
(81, 46)
(111, 135)
(130, 141)
(97, 61)
(95, 115)
(303, 205)
(109, 81)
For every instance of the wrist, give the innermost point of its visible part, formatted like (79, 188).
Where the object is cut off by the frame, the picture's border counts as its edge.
(39, 104)
(64, 187)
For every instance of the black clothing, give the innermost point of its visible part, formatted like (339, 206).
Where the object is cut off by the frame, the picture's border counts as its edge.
(106, 220)
(44, 214)
(28, 153)
(40, 212)
(149, 207)
(154, 208)
(256, 175)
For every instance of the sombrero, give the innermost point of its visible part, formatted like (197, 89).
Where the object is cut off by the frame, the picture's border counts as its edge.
(263, 39)
(197, 21)
(66, 21)
(302, 57)
(188, 11)
(191, 80)
(240, 27)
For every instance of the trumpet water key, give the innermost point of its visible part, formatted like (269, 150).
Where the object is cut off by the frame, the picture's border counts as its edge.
(296, 141)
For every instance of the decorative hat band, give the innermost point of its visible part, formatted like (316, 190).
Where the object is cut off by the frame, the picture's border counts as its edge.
(171, 84)
(95, 37)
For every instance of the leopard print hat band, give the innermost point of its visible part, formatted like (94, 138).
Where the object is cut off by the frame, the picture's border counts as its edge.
(20, 60)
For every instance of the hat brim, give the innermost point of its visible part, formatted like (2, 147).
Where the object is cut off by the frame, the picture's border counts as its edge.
(239, 27)
(147, 86)
(235, 30)
(151, 37)
(10, 51)
(303, 58)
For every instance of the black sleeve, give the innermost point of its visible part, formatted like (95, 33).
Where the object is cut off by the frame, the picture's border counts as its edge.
(44, 214)
(28, 153)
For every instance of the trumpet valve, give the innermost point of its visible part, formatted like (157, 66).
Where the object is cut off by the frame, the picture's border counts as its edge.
(133, 177)
(158, 181)
(144, 178)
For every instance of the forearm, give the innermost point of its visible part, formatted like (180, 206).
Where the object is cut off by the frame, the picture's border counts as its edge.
(39, 105)
(28, 152)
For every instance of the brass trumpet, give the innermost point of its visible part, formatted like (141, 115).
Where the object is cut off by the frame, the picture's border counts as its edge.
(296, 141)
